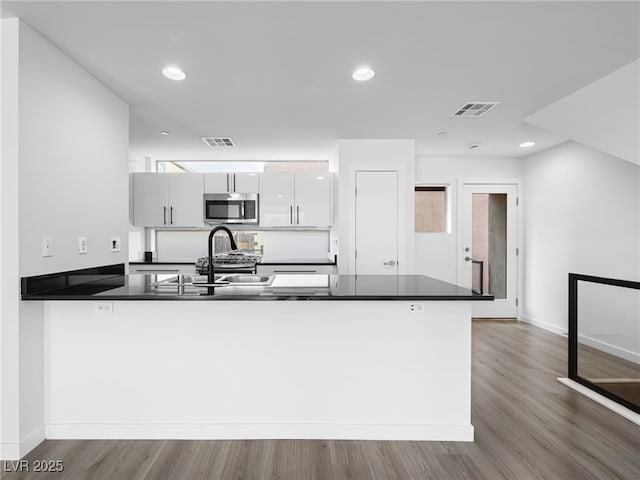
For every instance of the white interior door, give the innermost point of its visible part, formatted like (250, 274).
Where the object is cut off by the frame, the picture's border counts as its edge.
(488, 260)
(376, 245)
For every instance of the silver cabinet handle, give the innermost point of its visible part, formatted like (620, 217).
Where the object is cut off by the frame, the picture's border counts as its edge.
(171, 216)
(295, 271)
(164, 215)
(228, 189)
(297, 214)
(291, 213)
(234, 182)
(154, 270)
(390, 263)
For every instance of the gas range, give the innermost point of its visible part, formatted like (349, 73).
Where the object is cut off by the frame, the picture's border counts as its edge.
(230, 262)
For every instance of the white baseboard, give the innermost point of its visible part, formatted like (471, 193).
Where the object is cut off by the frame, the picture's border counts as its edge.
(32, 440)
(602, 400)
(544, 325)
(254, 431)
(17, 450)
(608, 348)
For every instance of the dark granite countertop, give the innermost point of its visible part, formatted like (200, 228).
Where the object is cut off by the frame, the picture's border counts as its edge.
(114, 285)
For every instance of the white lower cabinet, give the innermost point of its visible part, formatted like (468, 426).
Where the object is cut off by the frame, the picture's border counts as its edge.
(295, 269)
(167, 268)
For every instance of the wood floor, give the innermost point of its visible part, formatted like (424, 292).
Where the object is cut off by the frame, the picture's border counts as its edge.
(604, 369)
(527, 426)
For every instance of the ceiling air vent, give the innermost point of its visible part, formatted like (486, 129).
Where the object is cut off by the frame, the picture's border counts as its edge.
(219, 141)
(475, 109)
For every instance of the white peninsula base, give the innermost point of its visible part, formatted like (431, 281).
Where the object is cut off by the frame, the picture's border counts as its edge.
(258, 370)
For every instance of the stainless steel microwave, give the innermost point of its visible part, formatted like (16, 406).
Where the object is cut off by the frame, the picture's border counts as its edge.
(231, 208)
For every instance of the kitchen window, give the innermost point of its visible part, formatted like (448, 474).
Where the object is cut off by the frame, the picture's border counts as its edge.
(431, 209)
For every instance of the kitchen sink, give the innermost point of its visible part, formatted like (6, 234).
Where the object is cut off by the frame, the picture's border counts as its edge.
(198, 281)
(242, 279)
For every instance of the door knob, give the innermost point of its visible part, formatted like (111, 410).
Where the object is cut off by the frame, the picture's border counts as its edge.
(390, 263)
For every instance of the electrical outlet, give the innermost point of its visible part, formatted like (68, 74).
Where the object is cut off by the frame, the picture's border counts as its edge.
(103, 307)
(416, 307)
(47, 246)
(115, 244)
(82, 245)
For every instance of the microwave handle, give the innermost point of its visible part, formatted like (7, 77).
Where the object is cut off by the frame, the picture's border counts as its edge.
(228, 189)
(242, 210)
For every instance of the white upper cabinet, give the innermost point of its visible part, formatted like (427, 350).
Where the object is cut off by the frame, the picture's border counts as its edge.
(216, 182)
(185, 200)
(313, 199)
(231, 182)
(167, 199)
(246, 182)
(276, 199)
(295, 200)
(150, 199)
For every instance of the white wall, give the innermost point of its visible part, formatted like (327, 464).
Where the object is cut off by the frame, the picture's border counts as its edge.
(356, 155)
(63, 174)
(74, 143)
(9, 244)
(582, 215)
(436, 253)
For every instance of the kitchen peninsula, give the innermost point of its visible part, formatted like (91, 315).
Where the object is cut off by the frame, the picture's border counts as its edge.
(309, 356)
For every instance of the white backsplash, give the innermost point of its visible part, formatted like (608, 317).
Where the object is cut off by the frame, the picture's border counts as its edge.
(186, 246)
(305, 244)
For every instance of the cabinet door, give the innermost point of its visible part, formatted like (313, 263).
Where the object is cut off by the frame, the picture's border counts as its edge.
(276, 199)
(295, 269)
(313, 199)
(150, 199)
(160, 268)
(245, 183)
(185, 199)
(217, 182)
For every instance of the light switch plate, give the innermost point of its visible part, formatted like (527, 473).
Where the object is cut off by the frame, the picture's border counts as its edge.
(47, 246)
(82, 245)
(115, 244)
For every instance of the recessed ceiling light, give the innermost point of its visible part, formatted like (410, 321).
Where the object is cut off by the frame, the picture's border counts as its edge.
(174, 73)
(164, 132)
(363, 74)
(527, 144)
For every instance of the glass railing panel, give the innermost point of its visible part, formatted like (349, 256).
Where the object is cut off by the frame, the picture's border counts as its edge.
(606, 332)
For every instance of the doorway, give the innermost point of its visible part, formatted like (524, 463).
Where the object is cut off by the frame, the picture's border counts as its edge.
(489, 255)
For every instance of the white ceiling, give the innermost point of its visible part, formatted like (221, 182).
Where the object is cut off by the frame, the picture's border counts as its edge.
(276, 76)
